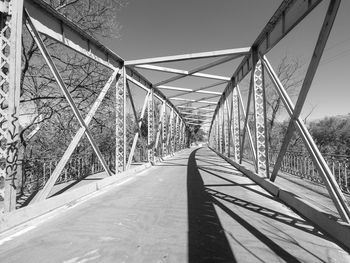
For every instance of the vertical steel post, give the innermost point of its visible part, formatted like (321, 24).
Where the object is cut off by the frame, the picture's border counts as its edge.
(217, 141)
(260, 118)
(236, 125)
(176, 138)
(222, 129)
(172, 131)
(230, 128)
(164, 133)
(184, 135)
(120, 146)
(180, 135)
(226, 127)
(10, 73)
(150, 133)
(218, 130)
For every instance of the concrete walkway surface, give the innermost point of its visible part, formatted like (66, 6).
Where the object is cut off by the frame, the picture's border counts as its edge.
(193, 207)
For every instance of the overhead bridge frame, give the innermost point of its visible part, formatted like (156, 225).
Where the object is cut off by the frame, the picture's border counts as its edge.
(169, 133)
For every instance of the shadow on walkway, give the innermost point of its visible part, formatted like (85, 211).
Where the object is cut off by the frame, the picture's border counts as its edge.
(207, 241)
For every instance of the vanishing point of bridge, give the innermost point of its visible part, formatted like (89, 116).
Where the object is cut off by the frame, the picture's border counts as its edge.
(230, 200)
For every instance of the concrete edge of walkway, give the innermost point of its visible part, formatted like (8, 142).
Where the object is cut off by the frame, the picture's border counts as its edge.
(339, 231)
(69, 198)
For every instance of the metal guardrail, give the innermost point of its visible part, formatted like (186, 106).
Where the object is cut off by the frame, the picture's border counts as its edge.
(36, 172)
(301, 165)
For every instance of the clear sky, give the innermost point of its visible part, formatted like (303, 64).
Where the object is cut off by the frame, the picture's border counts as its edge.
(166, 27)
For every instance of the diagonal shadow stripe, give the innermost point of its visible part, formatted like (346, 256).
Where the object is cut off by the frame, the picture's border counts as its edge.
(233, 182)
(272, 214)
(280, 251)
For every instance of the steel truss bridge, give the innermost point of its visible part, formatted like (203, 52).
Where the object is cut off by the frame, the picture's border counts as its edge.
(223, 114)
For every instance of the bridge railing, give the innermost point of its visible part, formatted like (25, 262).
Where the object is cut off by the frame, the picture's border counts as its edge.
(246, 126)
(301, 165)
(36, 172)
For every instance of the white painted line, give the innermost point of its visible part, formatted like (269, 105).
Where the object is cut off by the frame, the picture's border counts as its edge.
(19, 233)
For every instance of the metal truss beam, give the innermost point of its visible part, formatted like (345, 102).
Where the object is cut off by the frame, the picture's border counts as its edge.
(160, 123)
(189, 118)
(196, 70)
(191, 100)
(276, 29)
(143, 83)
(61, 84)
(164, 131)
(150, 133)
(138, 133)
(235, 111)
(321, 165)
(202, 88)
(203, 108)
(10, 89)
(195, 114)
(183, 72)
(189, 90)
(261, 146)
(248, 130)
(54, 25)
(210, 54)
(76, 139)
(194, 123)
(289, 14)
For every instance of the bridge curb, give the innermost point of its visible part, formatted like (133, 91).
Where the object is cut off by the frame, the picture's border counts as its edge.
(70, 198)
(339, 231)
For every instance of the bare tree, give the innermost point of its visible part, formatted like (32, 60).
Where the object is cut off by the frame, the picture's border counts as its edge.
(82, 76)
(288, 71)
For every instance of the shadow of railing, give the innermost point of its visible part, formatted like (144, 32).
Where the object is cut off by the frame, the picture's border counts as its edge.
(207, 239)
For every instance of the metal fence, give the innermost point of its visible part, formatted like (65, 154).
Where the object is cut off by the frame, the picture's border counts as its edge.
(36, 172)
(301, 165)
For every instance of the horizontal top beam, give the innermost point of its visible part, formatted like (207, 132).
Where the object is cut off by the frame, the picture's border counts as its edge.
(195, 123)
(194, 114)
(196, 119)
(196, 108)
(183, 72)
(209, 54)
(190, 100)
(189, 90)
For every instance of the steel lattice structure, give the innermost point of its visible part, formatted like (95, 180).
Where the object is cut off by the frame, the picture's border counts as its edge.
(223, 113)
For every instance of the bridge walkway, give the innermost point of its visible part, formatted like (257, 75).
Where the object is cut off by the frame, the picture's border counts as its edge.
(193, 207)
